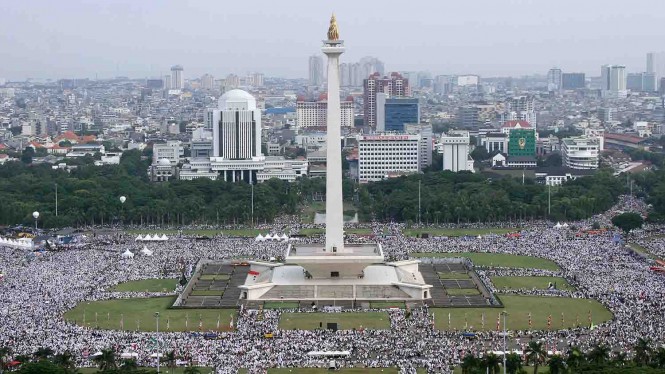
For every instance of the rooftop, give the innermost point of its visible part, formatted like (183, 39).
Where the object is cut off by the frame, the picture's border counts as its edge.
(349, 250)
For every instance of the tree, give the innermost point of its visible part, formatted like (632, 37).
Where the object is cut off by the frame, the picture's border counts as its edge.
(192, 370)
(43, 353)
(170, 359)
(40, 367)
(469, 363)
(129, 365)
(628, 221)
(556, 365)
(480, 154)
(535, 355)
(599, 354)
(491, 363)
(659, 358)
(5, 353)
(575, 357)
(106, 360)
(26, 156)
(642, 351)
(65, 143)
(513, 363)
(66, 361)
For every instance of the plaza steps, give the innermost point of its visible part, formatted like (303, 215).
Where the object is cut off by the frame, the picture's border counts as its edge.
(290, 292)
(375, 292)
(430, 276)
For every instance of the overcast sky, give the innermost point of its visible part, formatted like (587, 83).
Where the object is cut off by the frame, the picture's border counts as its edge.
(143, 38)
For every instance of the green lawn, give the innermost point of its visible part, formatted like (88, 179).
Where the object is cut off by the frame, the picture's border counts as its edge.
(462, 291)
(453, 275)
(179, 370)
(345, 321)
(519, 307)
(281, 305)
(214, 277)
(312, 231)
(386, 304)
(245, 233)
(458, 232)
(147, 285)
(110, 313)
(539, 283)
(498, 259)
(644, 251)
(170, 232)
(321, 231)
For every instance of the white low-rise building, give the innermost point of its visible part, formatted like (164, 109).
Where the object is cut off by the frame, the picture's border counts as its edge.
(454, 147)
(580, 152)
(385, 154)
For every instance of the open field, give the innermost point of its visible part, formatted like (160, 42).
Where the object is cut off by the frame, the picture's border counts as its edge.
(644, 251)
(539, 283)
(518, 308)
(498, 260)
(139, 314)
(281, 305)
(434, 231)
(206, 293)
(387, 304)
(321, 231)
(345, 321)
(147, 285)
(179, 370)
(248, 233)
(309, 211)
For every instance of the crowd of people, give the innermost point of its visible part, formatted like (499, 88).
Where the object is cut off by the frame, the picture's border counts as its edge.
(38, 292)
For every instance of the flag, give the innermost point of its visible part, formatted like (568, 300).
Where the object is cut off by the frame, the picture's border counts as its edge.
(448, 320)
(200, 323)
(577, 319)
(482, 317)
(466, 323)
(549, 321)
(231, 322)
(186, 320)
(529, 320)
(108, 316)
(122, 321)
(498, 322)
(168, 324)
(95, 318)
(218, 321)
(590, 320)
(563, 320)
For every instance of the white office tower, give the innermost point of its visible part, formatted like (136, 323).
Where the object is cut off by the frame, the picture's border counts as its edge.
(315, 113)
(381, 111)
(454, 147)
(613, 81)
(387, 155)
(167, 82)
(315, 70)
(580, 152)
(177, 78)
(236, 126)
(207, 82)
(554, 79)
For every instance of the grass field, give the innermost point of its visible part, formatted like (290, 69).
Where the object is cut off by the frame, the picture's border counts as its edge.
(321, 231)
(110, 313)
(539, 283)
(179, 370)
(458, 232)
(281, 305)
(170, 232)
(386, 304)
(644, 251)
(518, 308)
(462, 291)
(345, 321)
(309, 211)
(454, 276)
(498, 259)
(147, 285)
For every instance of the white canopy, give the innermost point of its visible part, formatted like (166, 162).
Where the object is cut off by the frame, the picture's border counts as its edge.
(98, 353)
(156, 355)
(558, 225)
(127, 254)
(284, 237)
(164, 237)
(139, 238)
(268, 236)
(146, 252)
(328, 353)
(259, 238)
(565, 225)
(129, 355)
(16, 243)
(147, 237)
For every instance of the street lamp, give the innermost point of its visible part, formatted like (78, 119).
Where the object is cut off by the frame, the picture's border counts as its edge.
(35, 215)
(122, 209)
(504, 314)
(157, 338)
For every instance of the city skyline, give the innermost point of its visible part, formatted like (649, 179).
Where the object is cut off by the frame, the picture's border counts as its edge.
(77, 39)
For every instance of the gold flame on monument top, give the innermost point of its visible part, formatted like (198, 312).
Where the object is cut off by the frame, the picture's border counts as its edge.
(333, 33)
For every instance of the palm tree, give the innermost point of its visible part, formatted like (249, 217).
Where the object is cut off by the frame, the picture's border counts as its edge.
(557, 365)
(469, 362)
(170, 359)
(5, 352)
(43, 353)
(66, 361)
(129, 365)
(192, 370)
(642, 351)
(513, 363)
(659, 358)
(575, 357)
(106, 361)
(600, 354)
(491, 363)
(22, 358)
(535, 354)
(620, 359)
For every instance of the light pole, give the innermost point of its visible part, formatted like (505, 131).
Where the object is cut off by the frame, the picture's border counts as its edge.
(504, 314)
(122, 209)
(157, 339)
(35, 215)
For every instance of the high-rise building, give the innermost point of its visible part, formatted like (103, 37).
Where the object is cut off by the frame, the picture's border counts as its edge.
(521, 108)
(167, 82)
(155, 84)
(315, 70)
(426, 141)
(207, 82)
(580, 152)
(171, 150)
(651, 62)
(454, 147)
(641, 82)
(258, 79)
(315, 113)
(236, 126)
(177, 77)
(399, 111)
(554, 79)
(613, 81)
(573, 81)
(380, 156)
(394, 86)
(231, 81)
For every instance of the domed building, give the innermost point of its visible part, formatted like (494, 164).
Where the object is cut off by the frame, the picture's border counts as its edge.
(163, 170)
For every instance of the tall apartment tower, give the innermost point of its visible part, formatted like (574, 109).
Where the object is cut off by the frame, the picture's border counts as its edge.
(177, 78)
(207, 82)
(651, 62)
(613, 81)
(315, 70)
(394, 86)
(554, 81)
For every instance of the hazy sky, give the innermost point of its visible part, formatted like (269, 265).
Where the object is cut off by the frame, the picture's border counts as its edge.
(142, 38)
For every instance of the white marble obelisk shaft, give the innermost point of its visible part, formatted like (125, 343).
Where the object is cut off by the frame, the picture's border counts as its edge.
(334, 203)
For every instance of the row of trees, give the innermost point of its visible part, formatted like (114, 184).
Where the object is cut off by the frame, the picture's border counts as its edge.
(599, 359)
(45, 361)
(90, 195)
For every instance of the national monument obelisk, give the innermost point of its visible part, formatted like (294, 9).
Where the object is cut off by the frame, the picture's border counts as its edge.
(333, 48)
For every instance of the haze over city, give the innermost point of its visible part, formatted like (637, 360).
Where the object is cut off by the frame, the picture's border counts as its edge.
(84, 39)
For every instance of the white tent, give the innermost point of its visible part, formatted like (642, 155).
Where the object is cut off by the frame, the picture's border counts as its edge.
(138, 238)
(147, 237)
(558, 225)
(284, 237)
(259, 238)
(129, 355)
(96, 354)
(268, 236)
(127, 254)
(164, 237)
(146, 252)
(565, 225)
(156, 355)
